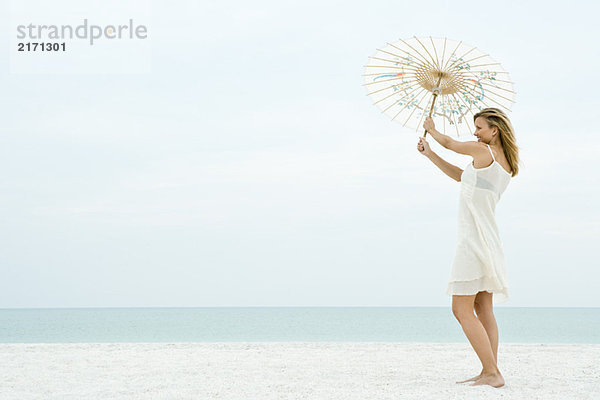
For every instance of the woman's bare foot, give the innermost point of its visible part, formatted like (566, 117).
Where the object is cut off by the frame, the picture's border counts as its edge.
(495, 380)
(473, 378)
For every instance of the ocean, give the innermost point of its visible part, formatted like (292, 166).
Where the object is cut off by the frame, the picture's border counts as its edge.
(285, 324)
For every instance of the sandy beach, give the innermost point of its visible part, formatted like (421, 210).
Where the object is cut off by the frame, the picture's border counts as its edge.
(292, 370)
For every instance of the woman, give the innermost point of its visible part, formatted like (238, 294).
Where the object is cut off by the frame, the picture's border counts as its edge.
(478, 270)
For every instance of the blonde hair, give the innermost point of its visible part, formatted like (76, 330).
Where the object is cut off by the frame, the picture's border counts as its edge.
(497, 118)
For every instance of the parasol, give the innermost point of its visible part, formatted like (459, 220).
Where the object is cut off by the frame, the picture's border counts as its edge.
(405, 78)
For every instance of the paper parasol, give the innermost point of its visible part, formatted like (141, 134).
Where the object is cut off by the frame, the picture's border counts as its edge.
(405, 78)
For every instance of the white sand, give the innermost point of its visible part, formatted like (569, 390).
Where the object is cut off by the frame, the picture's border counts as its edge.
(292, 370)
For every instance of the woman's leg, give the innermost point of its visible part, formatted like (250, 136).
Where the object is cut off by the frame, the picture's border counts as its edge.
(485, 313)
(462, 308)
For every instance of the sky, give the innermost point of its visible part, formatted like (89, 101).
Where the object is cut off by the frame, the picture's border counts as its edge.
(242, 164)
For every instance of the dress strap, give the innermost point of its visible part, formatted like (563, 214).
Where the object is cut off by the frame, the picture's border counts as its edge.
(490, 151)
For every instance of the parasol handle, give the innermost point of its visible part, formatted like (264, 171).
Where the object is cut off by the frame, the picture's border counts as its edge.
(431, 110)
(436, 90)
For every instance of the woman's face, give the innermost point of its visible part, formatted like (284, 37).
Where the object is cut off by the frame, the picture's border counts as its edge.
(483, 132)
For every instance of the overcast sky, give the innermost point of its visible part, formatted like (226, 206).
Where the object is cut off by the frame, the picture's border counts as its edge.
(249, 168)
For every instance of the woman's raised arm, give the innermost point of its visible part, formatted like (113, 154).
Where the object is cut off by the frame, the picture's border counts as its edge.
(449, 169)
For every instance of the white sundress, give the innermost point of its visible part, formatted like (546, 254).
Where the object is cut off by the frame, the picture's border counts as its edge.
(479, 258)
